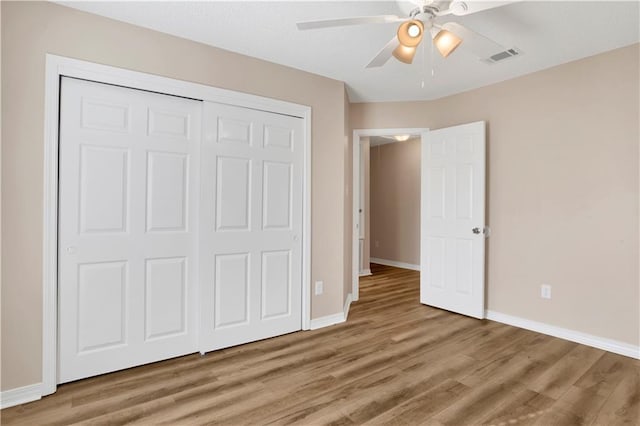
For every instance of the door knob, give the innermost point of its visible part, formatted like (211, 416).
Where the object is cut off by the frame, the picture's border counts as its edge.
(476, 230)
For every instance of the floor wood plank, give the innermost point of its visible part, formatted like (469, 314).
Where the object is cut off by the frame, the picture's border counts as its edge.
(394, 361)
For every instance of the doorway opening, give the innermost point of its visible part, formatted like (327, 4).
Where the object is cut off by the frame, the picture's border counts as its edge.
(394, 209)
(452, 215)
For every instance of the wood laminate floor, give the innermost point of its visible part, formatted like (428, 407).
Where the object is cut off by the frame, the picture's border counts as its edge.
(393, 362)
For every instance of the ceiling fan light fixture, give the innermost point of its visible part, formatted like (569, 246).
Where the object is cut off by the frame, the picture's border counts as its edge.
(446, 42)
(410, 33)
(404, 54)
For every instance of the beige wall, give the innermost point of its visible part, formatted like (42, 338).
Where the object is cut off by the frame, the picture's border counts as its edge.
(32, 29)
(347, 234)
(562, 188)
(395, 201)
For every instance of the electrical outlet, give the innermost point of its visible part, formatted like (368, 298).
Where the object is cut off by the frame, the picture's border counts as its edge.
(319, 288)
(377, 243)
(545, 291)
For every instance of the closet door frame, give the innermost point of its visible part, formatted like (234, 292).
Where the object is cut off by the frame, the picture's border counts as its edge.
(58, 66)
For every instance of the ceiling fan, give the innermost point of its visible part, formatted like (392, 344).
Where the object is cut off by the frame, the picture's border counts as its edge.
(421, 18)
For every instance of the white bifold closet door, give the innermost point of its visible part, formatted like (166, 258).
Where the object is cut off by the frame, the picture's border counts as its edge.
(250, 225)
(127, 228)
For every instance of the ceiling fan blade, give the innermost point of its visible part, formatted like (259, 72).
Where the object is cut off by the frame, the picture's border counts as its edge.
(481, 46)
(467, 7)
(342, 22)
(384, 54)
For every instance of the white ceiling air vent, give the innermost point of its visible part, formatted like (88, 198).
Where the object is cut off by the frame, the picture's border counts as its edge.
(503, 56)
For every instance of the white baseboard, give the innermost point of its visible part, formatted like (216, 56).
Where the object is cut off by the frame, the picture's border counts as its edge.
(365, 273)
(328, 320)
(347, 305)
(609, 345)
(394, 263)
(21, 395)
(29, 393)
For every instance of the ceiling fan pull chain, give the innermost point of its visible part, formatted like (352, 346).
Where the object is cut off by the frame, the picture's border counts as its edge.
(424, 65)
(433, 73)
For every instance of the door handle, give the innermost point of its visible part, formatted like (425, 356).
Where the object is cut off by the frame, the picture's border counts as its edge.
(484, 230)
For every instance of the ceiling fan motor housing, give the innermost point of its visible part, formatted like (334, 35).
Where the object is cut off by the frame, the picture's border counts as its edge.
(424, 13)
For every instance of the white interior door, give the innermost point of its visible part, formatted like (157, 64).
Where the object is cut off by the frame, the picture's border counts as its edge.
(251, 225)
(452, 219)
(127, 228)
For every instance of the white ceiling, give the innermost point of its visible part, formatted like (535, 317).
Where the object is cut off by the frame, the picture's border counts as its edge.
(383, 140)
(548, 33)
